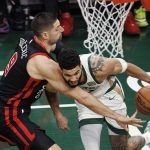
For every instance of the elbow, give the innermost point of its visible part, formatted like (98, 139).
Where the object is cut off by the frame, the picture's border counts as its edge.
(82, 99)
(86, 100)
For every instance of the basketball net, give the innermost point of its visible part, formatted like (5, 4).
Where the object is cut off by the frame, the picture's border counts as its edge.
(105, 24)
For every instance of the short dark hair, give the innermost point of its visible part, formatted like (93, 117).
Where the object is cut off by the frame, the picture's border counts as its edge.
(68, 59)
(42, 21)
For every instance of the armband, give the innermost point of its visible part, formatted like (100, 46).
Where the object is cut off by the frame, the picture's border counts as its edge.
(123, 64)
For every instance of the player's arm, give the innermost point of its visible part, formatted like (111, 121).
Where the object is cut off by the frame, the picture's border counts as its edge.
(104, 67)
(113, 66)
(53, 101)
(121, 66)
(131, 70)
(137, 72)
(49, 70)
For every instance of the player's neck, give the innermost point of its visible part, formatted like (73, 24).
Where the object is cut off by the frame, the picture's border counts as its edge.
(50, 48)
(45, 44)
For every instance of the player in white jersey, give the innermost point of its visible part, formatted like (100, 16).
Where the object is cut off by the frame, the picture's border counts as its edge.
(141, 141)
(96, 75)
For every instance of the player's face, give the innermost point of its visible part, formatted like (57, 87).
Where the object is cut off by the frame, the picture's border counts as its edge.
(55, 33)
(72, 76)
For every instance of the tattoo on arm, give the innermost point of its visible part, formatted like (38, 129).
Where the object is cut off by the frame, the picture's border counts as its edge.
(98, 67)
(97, 64)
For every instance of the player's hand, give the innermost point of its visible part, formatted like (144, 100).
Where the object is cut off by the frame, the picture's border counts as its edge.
(134, 115)
(124, 121)
(62, 122)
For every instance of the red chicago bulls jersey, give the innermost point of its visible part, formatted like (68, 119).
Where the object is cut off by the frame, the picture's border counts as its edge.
(17, 88)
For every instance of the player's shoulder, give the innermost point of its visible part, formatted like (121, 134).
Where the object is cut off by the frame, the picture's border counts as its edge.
(110, 61)
(44, 60)
(43, 66)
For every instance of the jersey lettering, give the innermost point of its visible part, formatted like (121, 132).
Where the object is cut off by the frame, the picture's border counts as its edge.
(89, 89)
(12, 61)
(92, 83)
(23, 46)
(40, 92)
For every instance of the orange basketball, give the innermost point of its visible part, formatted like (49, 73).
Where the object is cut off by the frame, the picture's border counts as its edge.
(142, 100)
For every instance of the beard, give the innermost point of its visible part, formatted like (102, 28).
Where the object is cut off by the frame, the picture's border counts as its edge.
(71, 85)
(54, 41)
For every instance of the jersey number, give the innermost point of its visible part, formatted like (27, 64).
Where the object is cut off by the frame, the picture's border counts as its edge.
(12, 61)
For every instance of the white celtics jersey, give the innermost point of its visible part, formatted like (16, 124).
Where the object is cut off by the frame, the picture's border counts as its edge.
(103, 91)
(92, 85)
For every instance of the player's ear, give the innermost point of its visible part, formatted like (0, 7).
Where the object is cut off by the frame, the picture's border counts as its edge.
(44, 35)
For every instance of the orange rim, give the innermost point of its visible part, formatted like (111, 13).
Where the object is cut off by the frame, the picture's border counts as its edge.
(120, 1)
(123, 1)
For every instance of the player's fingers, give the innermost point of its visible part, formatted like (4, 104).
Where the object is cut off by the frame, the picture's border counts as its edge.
(136, 120)
(137, 125)
(134, 114)
(126, 128)
(66, 129)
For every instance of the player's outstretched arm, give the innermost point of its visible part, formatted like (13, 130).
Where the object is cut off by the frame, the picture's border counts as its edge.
(49, 70)
(113, 66)
(135, 71)
(121, 66)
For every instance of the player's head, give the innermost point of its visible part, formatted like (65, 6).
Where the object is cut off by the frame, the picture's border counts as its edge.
(69, 62)
(47, 27)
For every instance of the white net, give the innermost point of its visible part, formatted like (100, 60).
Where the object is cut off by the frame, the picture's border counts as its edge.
(105, 22)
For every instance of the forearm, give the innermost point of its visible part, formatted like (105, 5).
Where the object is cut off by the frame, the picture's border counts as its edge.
(137, 72)
(92, 103)
(53, 102)
(100, 108)
(62, 121)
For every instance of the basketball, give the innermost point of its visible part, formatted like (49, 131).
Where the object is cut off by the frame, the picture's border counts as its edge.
(142, 100)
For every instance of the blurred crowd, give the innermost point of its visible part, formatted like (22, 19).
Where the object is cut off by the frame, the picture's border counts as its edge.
(17, 17)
